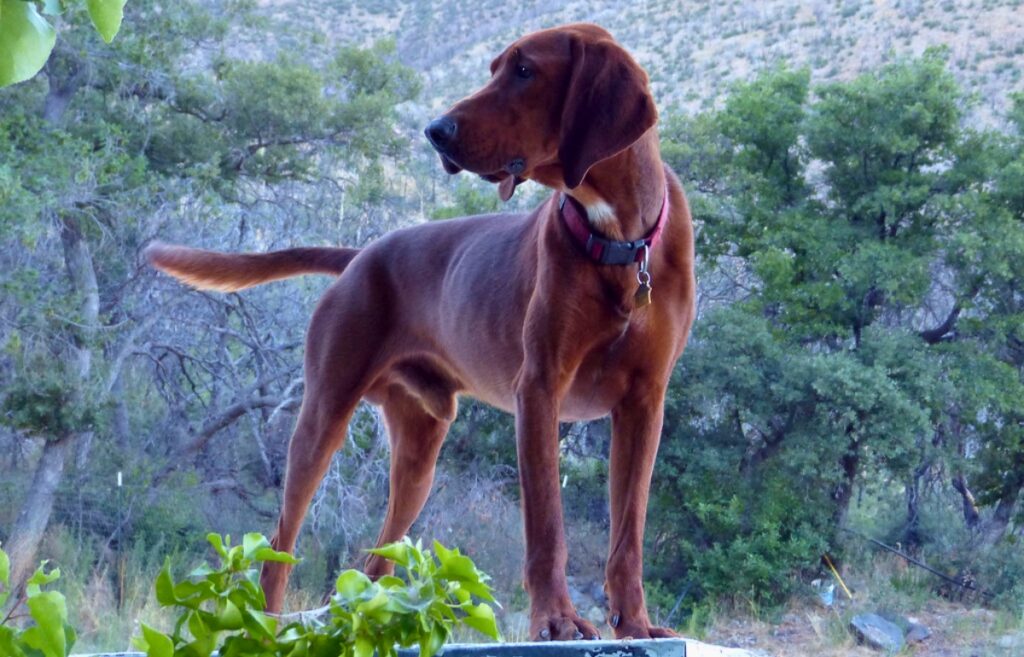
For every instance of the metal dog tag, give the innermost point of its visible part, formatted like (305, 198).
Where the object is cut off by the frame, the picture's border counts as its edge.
(643, 277)
(642, 296)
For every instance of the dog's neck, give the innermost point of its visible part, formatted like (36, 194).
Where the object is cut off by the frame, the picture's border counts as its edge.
(625, 206)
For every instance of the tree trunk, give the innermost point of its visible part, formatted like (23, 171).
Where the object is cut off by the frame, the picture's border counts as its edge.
(34, 515)
(66, 74)
(843, 492)
(995, 529)
(911, 531)
(970, 506)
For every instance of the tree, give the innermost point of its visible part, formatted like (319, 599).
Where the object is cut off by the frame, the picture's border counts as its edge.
(103, 153)
(845, 236)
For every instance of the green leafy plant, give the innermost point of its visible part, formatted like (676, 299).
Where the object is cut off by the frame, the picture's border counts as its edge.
(26, 38)
(49, 634)
(223, 609)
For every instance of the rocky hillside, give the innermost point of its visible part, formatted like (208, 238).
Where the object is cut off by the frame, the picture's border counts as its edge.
(692, 49)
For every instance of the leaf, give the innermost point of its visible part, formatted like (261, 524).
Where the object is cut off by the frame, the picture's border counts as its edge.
(70, 636)
(49, 611)
(202, 570)
(351, 583)
(198, 627)
(5, 569)
(192, 594)
(252, 542)
(154, 643)
(374, 605)
(259, 624)
(41, 578)
(391, 582)
(26, 40)
(164, 586)
(443, 553)
(229, 618)
(218, 543)
(481, 591)
(459, 567)
(397, 552)
(434, 641)
(363, 647)
(481, 618)
(270, 554)
(106, 15)
(402, 602)
(235, 557)
(7, 645)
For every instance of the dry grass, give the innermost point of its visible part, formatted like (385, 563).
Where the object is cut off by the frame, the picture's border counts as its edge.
(885, 585)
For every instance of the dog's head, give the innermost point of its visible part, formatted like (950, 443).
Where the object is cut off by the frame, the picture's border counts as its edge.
(558, 102)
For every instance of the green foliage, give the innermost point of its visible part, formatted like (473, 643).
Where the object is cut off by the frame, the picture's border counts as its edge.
(106, 16)
(262, 118)
(821, 375)
(222, 609)
(43, 402)
(468, 198)
(48, 634)
(26, 38)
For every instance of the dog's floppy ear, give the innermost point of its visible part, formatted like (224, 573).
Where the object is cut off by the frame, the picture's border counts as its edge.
(607, 107)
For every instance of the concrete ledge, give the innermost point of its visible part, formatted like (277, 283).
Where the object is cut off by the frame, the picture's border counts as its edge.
(638, 648)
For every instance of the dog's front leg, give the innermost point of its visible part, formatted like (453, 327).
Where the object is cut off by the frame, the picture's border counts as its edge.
(538, 392)
(636, 430)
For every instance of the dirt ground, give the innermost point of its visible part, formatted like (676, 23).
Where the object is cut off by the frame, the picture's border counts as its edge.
(812, 631)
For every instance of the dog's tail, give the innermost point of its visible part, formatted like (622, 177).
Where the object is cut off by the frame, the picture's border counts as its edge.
(227, 272)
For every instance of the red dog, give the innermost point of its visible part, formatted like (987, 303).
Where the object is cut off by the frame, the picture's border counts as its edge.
(548, 315)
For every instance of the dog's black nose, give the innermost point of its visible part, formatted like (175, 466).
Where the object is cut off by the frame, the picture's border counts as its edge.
(440, 132)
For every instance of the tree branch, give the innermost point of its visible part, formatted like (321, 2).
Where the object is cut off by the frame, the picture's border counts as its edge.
(931, 336)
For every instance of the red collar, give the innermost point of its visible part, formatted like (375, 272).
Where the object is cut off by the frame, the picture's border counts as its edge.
(601, 249)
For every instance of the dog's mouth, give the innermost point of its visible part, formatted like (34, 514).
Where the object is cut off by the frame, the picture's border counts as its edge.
(506, 178)
(449, 166)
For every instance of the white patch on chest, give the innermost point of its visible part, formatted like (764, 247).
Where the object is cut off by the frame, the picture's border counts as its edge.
(600, 214)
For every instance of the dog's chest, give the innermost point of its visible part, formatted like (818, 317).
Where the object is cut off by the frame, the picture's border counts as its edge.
(606, 374)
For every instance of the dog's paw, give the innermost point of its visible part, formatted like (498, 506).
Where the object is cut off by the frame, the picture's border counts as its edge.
(562, 627)
(639, 630)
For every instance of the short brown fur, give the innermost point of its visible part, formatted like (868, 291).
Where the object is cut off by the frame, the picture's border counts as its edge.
(507, 309)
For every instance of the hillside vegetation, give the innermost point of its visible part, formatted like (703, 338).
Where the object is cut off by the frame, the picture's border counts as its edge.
(857, 364)
(692, 50)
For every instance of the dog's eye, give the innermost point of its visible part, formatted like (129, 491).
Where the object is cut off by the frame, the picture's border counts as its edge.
(523, 72)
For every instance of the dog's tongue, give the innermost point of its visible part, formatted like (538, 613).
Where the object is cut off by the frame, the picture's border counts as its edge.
(507, 187)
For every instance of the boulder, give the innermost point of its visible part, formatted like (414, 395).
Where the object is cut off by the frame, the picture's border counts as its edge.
(916, 632)
(877, 632)
(1011, 641)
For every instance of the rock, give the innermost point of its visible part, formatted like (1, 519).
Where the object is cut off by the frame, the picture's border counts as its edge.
(917, 632)
(597, 593)
(877, 632)
(826, 592)
(596, 616)
(1011, 641)
(576, 596)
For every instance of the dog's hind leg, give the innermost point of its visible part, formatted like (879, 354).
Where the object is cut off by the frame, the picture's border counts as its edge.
(416, 434)
(342, 345)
